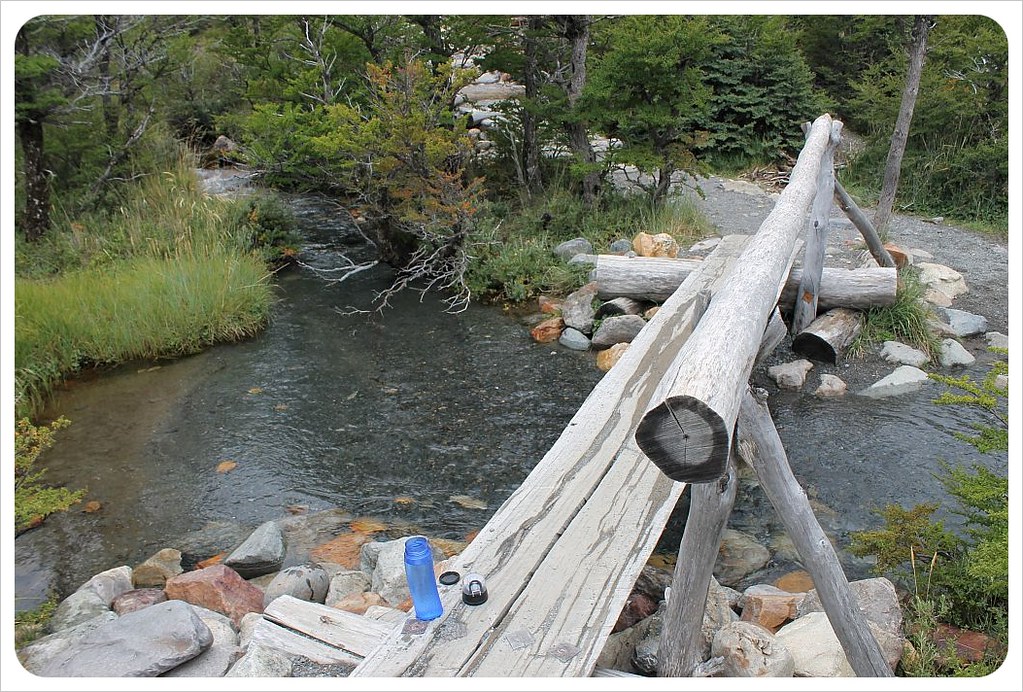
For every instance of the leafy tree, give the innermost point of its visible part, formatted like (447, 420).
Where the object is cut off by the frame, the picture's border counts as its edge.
(645, 87)
(407, 161)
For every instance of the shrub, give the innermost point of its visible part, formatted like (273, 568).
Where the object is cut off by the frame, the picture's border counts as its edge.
(33, 500)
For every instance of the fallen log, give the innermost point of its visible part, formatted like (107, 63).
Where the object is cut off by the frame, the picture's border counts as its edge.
(619, 306)
(760, 446)
(827, 337)
(654, 278)
(862, 223)
(688, 434)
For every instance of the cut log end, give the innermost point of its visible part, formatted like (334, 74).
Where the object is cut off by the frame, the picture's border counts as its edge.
(814, 347)
(686, 439)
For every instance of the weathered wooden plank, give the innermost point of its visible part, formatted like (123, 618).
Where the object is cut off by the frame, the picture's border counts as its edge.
(818, 225)
(291, 642)
(513, 546)
(759, 444)
(338, 628)
(689, 433)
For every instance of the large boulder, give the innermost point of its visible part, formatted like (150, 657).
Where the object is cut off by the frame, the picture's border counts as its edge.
(261, 553)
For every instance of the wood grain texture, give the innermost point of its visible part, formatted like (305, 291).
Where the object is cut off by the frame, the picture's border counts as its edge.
(561, 554)
(338, 628)
(276, 637)
(858, 289)
(760, 446)
(715, 363)
(641, 278)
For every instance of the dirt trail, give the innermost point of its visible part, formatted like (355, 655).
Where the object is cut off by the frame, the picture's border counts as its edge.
(739, 206)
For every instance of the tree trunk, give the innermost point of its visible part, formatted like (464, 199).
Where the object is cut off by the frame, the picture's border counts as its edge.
(866, 229)
(576, 29)
(890, 182)
(530, 142)
(36, 219)
(827, 337)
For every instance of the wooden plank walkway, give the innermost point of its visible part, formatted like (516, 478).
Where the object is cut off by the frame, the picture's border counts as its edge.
(562, 554)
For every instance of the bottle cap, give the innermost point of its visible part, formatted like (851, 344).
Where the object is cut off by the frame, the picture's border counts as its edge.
(474, 589)
(449, 578)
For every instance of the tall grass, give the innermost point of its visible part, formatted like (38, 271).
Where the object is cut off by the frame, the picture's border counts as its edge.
(905, 320)
(142, 308)
(168, 272)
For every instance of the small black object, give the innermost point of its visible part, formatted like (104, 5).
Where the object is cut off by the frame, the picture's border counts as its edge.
(449, 578)
(474, 589)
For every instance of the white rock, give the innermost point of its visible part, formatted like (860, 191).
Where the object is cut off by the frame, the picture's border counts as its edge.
(904, 379)
(997, 340)
(953, 353)
(790, 375)
(750, 651)
(831, 385)
(814, 646)
(897, 352)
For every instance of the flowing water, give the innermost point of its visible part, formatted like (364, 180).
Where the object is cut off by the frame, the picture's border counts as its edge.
(414, 417)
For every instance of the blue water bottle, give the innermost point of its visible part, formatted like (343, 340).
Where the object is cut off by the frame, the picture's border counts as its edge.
(421, 580)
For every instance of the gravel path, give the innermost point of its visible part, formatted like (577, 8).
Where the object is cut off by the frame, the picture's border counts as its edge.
(739, 206)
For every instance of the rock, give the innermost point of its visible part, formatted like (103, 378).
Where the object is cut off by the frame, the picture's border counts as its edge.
(304, 582)
(620, 329)
(77, 608)
(790, 375)
(145, 643)
(574, 339)
(969, 646)
(216, 660)
(750, 651)
(637, 607)
(659, 245)
(620, 246)
(137, 599)
(936, 326)
(156, 570)
(304, 532)
(246, 627)
(570, 248)
(644, 658)
(831, 386)
(719, 612)
(953, 353)
(110, 584)
(943, 282)
(738, 556)
(964, 323)
(346, 583)
(1002, 382)
(903, 380)
(213, 538)
(896, 352)
(815, 648)
(901, 257)
(359, 603)
(261, 662)
(649, 314)
(653, 581)
(548, 305)
(45, 649)
(547, 331)
(769, 606)
(997, 340)
(919, 254)
(261, 553)
(218, 588)
(224, 145)
(609, 356)
(577, 310)
(799, 581)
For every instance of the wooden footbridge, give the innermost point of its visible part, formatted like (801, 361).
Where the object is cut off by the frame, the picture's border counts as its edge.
(562, 554)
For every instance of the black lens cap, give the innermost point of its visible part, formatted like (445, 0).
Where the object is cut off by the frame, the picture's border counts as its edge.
(449, 578)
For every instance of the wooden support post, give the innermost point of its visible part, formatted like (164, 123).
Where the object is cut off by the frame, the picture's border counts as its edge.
(805, 310)
(759, 445)
(688, 434)
(864, 226)
(681, 647)
(827, 337)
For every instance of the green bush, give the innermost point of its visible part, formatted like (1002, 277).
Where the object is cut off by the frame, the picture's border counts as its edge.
(269, 226)
(33, 500)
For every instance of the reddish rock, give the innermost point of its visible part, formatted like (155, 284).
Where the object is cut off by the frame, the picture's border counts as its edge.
(137, 599)
(898, 254)
(970, 646)
(549, 306)
(658, 245)
(609, 356)
(218, 588)
(637, 607)
(799, 581)
(210, 561)
(359, 603)
(769, 606)
(547, 331)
